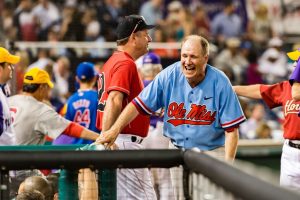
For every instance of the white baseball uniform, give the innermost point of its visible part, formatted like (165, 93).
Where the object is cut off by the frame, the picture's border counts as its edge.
(33, 120)
(7, 134)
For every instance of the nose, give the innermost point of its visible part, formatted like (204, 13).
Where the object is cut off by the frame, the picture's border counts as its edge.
(188, 60)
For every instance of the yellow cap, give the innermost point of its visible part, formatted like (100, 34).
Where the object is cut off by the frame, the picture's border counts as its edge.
(5, 56)
(37, 76)
(294, 55)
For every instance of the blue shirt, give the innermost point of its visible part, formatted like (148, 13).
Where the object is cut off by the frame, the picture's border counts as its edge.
(193, 117)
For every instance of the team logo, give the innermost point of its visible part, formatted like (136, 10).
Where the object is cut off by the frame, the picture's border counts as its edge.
(197, 115)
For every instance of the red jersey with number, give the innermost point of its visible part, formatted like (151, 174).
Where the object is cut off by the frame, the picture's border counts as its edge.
(120, 74)
(280, 95)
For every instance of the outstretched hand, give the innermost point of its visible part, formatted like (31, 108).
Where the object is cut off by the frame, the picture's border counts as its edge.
(107, 138)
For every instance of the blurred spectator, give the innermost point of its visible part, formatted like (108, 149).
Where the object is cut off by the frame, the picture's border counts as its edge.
(263, 131)
(161, 36)
(152, 12)
(173, 19)
(273, 62)
(42, 59)
(92, 26)
(61, 77)
(52, 179)
(20, 69)
(253, 76)
(7, 21)
(47, 15)
(25, 21)
(260, 27)
(227, 23)
(231, 57)
(109, 12)
(186, 24)
(71, 24)
(30, 195)
(202, 22)
(249, 127)
(36, 183)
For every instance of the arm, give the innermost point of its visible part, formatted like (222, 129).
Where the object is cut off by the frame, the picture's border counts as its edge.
(112, 109)
(75, 130)
(296, 91)
(250, 91)
(231, 141)
(129, 113)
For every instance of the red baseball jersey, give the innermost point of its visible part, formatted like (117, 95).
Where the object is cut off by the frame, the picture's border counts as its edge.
(280, 95)
(120, 74)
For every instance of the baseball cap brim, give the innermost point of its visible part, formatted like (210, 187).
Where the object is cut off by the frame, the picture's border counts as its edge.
(12, 59)
(51, 85)
(294, 55)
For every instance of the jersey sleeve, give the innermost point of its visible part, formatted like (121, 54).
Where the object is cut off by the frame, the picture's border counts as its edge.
(51, 123)
(121, 77)
(272, 94)
(151, 97)
(230, 111)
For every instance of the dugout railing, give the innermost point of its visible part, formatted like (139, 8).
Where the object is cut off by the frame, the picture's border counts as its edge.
(200, 170)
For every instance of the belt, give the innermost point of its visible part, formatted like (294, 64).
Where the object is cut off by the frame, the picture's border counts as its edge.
(291, 144)
(132, 138)
(136, 139)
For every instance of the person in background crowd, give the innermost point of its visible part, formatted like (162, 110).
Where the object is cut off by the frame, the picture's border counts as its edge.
(7, 133)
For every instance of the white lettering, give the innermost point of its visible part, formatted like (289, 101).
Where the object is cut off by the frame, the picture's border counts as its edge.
(81, 103)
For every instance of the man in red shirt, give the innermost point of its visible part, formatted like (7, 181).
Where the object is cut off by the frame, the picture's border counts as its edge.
(118, 84)
(274, 96)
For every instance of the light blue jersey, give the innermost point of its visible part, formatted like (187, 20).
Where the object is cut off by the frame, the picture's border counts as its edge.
(194, 117)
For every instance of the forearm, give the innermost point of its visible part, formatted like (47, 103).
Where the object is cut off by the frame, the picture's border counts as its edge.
(112, 110)
(296, 91)
(250, 91)
(88, 134)
(231, 142)
(129, 113)
(75, 130)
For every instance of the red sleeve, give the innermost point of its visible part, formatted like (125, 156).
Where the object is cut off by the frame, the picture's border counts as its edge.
(273, 94)
(230, 129)
(73, 130)
(122, 76)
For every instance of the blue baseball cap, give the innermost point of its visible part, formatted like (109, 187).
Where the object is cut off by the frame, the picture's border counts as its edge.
(85, 71)
(151, 58)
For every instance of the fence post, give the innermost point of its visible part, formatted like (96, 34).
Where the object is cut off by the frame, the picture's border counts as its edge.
(68, 185)
(4, 184)
(107, 179)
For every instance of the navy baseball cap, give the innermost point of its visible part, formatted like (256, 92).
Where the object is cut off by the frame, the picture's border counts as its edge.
(131, 24)
(151, 58)
(85, 71)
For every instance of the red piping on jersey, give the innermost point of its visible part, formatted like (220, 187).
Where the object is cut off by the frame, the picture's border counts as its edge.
(143, 106)
(117, 88)
(236, 120)
(140, 110)
(73, 130)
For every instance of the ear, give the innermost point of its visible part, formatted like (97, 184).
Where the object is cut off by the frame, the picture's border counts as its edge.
(77, 79)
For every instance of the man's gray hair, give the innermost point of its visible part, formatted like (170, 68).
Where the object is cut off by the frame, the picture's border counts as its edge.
(203, 43)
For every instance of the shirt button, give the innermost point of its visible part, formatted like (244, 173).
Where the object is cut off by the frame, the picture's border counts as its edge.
(186, 138)
(190, 101)
(188, 126)
(192, 92)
